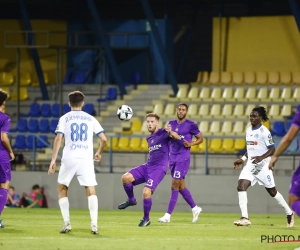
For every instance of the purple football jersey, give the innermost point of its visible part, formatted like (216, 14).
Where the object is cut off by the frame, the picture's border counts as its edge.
(4, 128)
(158, 145)
(186, 130)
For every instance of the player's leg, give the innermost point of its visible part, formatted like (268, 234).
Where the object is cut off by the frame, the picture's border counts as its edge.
(147, 204)
(93, 207)
(5, 177)
(294, 192)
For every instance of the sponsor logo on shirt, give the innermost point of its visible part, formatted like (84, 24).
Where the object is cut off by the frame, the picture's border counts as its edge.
(256, 135)
(78, 146)
(251, 143)
(154, 147)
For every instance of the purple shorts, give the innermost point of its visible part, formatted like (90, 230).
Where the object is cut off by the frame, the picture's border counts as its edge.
(5, 172)
(295, 183)
(179, 169)
(151, 174)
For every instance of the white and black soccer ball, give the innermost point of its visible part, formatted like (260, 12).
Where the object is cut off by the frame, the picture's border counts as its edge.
(124, 113)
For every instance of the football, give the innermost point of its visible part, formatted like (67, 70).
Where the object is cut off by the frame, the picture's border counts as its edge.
(124, 113)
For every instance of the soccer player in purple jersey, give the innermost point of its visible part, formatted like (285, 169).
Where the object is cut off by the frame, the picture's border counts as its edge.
(6, 153)
(294, 192)
(153, 171)
(180, 161)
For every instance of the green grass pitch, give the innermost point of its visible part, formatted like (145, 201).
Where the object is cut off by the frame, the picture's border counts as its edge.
(38, 229)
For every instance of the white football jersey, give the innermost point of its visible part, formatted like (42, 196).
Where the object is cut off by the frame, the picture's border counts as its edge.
(258, 141)
(78, 128)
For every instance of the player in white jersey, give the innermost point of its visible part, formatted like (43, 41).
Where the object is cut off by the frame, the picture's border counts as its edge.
(260, 147)
(78, 128)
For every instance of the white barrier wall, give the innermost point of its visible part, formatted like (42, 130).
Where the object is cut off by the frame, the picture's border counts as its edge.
(213, 193)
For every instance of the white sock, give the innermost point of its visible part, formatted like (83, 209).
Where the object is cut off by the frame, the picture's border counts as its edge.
(279, 198)
(194, 209)
(243, 200)
(64, 208)
(93, 207)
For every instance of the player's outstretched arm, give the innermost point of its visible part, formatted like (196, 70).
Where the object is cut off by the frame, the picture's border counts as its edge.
(103, 141)
(56, 146)
(199, 139)
(285, 142)
(239, 162)
(6, 144)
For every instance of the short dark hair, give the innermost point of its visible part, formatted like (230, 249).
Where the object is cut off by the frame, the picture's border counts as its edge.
(262, 112)
(153, 115)
(183, 104)
(76, 98)
(3, 96)
(36, 186)
(11, 188)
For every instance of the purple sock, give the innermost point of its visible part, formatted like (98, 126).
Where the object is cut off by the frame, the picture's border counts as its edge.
(188, 197)
(147, 208)
(296, 207)
(3, 198)
(129, 191)
(173, 201)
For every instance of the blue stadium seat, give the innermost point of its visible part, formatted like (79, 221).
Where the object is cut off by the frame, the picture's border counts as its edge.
(30, 140)
(68, 78)
(89, 108)
(20, 142)
(278, 128)
(53, 125)
(111, 94)
(66, 108)
(46, 110)
(21, 126)
(41, 144)
(44, 126)
(79, 77)
(287, 126)
(34, 111)
(33, 126)
(55, 110)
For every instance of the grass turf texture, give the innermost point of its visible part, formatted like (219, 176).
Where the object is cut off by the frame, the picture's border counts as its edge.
(39, 229)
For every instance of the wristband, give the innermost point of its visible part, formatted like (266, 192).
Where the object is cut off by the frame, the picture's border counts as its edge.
(244, 158)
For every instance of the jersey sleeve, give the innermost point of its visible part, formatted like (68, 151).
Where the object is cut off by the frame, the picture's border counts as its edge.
(194, 129)
(5, 126)
(97, 128)
(268, 138)
(296, 120)
(60, 129)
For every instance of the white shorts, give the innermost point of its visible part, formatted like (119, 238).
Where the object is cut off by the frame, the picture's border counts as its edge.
(82, 168)
(258, 173)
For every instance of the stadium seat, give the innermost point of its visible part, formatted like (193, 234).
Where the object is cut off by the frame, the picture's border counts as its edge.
(239, 94)
(286, 78)
(33, 126)
(273, 78)
(216, 145)
(89, 108)
(227, 111)
(214, 78)
(263, 95)
(79, 78)
(6, 78)
(55, 110)
(21, 126)
(158, 109)
(204, 111)
(111, 94)
(202, 146)
(286, 95)
(136, 126)
(41, 144)
(267, 124)
(192, 111)
(250, 78)
(296, 95)
(43, 126)
(170, 110)
(19, 142)
(286, 110)
(123, 144)
(237, 78)
(53, 124)
(36, 82)
(46, 110)
(195, 149)
(296, 78)
(261, 78)
(202, 78)
(287, 126)
(144, 145)
(182, 93)
(34, 111)
(238, 111)
(215, 128)
(193, 94)
(226, 128)
(248, 110)
(25, 79)
(215, 110)
(251, 94)
(274, 95)
(112, 142)
(204, 128)
(31, 142)
(239, 128)
(227, 94)
(23, 94)
(216, 94)
(226, 78)
(135, 144)
(205, 94)
(278, 128)
(239, 144)
(228, 145)
(66, 108)
(274, 111)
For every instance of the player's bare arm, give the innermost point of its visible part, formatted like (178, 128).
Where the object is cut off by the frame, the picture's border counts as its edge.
(257, 159)
(199, 139)
(285, 142)
(103, 141)
(239, 162)
(56, 146)
(6, 144)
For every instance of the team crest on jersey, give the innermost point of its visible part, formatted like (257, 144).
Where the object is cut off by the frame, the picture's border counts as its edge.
(270, 136)
(176, 129)
(256, 135)
(152, 141)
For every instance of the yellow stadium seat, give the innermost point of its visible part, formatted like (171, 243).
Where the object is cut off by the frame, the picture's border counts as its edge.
(204, 111)
(249, 109)
(7, 90)
(135, 144)
(204, 128)
(248, 125)
(214, 78)
(215, 128)
(239, 128)
(170, 110)
(239, 144)
(228, 145)
(226, 128)
(195, 149)
(114, 143)
(250, 78)
(226, 78)
(123, 144)
(193, 94)
(216, 145)
(136, 126)
(215, 110)
(144, 129)
(296, 77)
(182, 93)
(273, 78)
(144, 145)
(158, 109)
(227, 111)
(261, 77)
(296, 95)
(237, 78)
(202, 78)
(251, 94)
(227, 95)
(192, 111)
(202, 146)
(286, 110)
(6, 78)
(275, 94)
(25, 78)
(263, 95)
(239, 94)
(205, 94)
(286, 95)
(238, 111)
(35, 80)
(274, 110)
(286, 78)
(23, 94)
(267, 124)
(216, 94)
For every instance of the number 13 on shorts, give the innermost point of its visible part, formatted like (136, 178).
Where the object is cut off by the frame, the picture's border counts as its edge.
(149, 182)
(176, 174)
